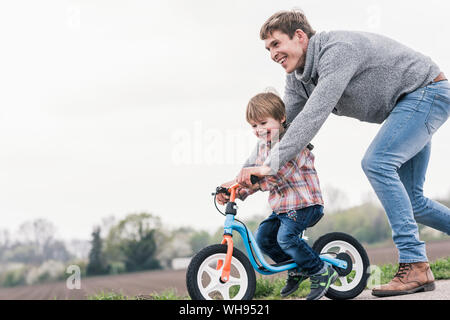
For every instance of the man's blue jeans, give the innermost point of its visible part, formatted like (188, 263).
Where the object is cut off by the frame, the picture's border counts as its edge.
(278, 237)
(396, 162)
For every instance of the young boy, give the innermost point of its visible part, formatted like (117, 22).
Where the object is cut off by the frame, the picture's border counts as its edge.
(295, 199)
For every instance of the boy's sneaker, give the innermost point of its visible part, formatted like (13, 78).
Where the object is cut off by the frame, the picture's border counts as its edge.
(320, 282)
(293, 281)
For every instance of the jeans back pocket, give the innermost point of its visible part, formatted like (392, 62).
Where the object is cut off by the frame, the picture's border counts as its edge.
(439, 112)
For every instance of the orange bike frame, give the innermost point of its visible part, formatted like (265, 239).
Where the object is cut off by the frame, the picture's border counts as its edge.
(227, 239)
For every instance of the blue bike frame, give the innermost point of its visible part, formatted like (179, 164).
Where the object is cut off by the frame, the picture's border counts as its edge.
(231, 225)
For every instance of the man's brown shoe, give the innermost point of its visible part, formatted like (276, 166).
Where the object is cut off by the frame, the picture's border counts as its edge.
(410, 278)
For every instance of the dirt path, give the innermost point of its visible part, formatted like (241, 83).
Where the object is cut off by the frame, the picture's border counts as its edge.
(442, 292)
(131, 284)
(144, 283)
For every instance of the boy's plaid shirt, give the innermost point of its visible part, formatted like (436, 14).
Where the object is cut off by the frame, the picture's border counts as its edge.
(294, 186)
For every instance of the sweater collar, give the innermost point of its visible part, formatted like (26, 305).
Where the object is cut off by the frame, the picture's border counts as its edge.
(311, 62)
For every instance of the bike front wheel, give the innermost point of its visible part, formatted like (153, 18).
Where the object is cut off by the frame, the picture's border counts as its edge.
(352, 280)
(203, 276)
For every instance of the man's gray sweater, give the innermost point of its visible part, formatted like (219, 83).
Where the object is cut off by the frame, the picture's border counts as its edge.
(355, 74)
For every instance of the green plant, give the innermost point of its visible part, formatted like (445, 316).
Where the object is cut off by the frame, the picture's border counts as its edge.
(109, 296)
(168, 294)
(441, 268)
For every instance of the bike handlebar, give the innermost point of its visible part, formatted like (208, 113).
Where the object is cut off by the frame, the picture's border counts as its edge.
(253, 179)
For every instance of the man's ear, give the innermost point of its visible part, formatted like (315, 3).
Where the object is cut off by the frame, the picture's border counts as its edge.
(300, 34)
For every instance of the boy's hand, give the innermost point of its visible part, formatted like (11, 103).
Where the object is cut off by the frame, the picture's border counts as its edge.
(222, 198)
(244, 191)
(243, 177)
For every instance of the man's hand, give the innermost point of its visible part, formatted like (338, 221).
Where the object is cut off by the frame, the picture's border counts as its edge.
(243, 178)
(223, 198)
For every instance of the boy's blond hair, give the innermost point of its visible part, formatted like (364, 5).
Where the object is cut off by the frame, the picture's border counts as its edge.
(286, 22)
(263, 105)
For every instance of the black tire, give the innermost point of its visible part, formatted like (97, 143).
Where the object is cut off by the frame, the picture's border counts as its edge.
(362, 283)
(197, 261)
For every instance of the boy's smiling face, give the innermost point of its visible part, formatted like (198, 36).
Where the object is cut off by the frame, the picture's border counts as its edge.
(290, 53)
(267, 128)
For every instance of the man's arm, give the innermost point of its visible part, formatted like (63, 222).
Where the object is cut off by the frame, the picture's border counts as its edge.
(294, 102)
(294, 98)
(335, 72)
(250, 162)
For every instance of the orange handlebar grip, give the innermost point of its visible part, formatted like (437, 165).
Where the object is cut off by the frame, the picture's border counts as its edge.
(232, 191)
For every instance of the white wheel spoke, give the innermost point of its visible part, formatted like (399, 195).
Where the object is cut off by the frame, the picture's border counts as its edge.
(233, 281)
(225, 292)
(341, 250)
(211, 286)
(343, 281)
(212, 273)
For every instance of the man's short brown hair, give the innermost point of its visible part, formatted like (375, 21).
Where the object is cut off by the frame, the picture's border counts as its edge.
(286, 22)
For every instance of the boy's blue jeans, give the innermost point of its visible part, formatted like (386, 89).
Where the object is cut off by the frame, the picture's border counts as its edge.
(278, 237)
(396, 162)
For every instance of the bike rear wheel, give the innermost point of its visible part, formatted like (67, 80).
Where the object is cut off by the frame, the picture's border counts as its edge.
(203, 278)
(353, 280)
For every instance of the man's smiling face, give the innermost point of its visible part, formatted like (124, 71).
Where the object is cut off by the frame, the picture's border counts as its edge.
(290, 53)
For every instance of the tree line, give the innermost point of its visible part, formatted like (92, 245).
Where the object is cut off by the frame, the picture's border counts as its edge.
(139, 242)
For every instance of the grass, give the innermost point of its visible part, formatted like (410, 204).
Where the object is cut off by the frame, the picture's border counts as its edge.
(169, 294)
(268, 288)
(109, 296)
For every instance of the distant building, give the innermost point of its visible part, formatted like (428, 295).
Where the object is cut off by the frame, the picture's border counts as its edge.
(181, 263)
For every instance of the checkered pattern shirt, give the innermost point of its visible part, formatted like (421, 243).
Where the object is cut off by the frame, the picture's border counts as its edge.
(294, 186)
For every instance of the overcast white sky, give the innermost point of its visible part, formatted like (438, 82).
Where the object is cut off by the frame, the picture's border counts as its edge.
(114, 107)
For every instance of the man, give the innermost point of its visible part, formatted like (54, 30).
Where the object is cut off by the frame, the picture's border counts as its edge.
(374, 79)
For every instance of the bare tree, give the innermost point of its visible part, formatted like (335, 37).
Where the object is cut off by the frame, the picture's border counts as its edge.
(39, 237)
